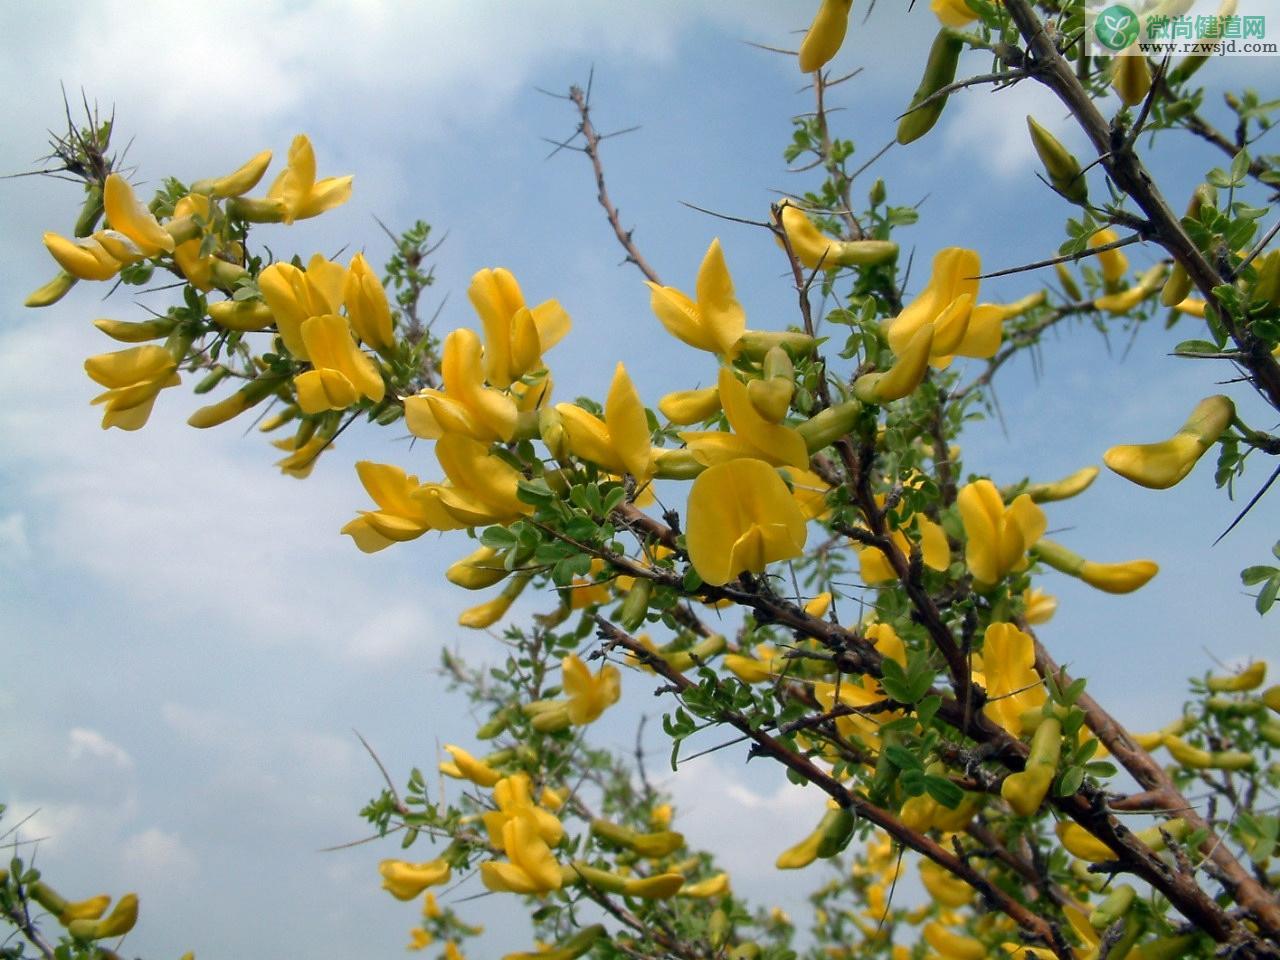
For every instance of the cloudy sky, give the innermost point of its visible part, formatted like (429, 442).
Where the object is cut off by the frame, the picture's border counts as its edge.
(189, 643)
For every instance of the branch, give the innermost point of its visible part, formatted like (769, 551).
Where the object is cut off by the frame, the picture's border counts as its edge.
(591, 148)
(1035, 926)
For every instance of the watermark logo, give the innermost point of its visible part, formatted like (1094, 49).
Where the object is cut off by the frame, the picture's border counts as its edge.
(1182, 28)
(1117, 27)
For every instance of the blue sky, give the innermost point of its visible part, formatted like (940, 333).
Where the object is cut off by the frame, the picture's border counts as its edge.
(189, 643)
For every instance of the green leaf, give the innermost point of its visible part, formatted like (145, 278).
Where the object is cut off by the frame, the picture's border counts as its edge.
(1252, 575)
(902, 758)
(1267, 597)
(1240, 167)
(1070, 781)
(497, 538)
(535, 492)
(944, 791)
(1195, 346)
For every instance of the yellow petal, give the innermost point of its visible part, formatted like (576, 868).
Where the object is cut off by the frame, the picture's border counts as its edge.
(367, 306)
(628, 426)
(469, 466)
(1113, 262)
(721, 314)
(679, 315)
(283, 286)
(690, 406)
(588, 438)
(128, 215)
(496, 297)
(740, 517)
(463, 375)
(84, 259)
(775, 443)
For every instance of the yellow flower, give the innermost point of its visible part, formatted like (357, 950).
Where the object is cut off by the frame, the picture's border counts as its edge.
(120, 921)
(515, 335)
(302, 455)
(297, 192)
(126, 213)
(477, 570)
(90, 909)
(947, 301)
(901, 379)
(741, 517)
(1161, 465)
(874, 566)
(1192, 306)
(953, 13)
(238, 182)
(998, 537)
(531, 866)
(1008, 672)
(825, 34)
(84, 258)
(451, 951)
(367, 306)
(467, 767)
(405, 881)
(134, 378)
(481, 488)
(813, 248)
(589, 696)
(1114, 264)
(716, 321)
(690, 406)
(753, 436)
(620, 443)
(198, 270)
(340, 373)
(1040, 606)
(465, 406)
(420, 939)
(716, 886)
(513, 798)
(430, 908)
(945, 888)
(295, 296)
(1107, 577)
(402, 514)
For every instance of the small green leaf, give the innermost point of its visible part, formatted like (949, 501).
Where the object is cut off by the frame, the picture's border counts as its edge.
(1070, 781)
(944, 791)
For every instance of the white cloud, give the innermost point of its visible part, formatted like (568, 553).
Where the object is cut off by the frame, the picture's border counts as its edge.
(14, 545)
(84, 743)
(990, 134)
(154, 856)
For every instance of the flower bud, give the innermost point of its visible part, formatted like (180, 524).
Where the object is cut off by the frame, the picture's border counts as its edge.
(1131, 76)
(825, 35)
(1064, 489)
(51, 292)
(239, 181)
(243, 399)
(136, 332)
(477, 570)
(1063, 168)
(1249, 678)
(690, 406)
(1069, 285)
(939, 71)
(246, 315)
(901, 379)
(1159, 466)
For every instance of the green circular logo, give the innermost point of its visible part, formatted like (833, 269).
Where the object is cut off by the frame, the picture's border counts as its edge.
(1116, 27)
